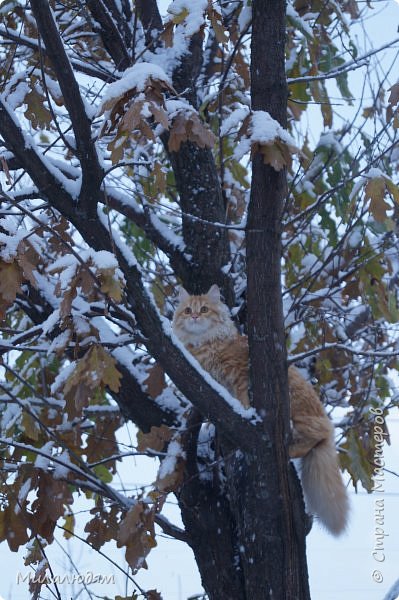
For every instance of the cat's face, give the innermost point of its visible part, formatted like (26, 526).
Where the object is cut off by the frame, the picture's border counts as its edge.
(197, 318)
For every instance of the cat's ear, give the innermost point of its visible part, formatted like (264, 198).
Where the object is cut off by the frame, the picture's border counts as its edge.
(214, 293)
(183, 295)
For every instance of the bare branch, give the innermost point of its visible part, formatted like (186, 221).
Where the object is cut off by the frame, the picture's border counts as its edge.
(91, 70)
(170, 529)
(351, 65)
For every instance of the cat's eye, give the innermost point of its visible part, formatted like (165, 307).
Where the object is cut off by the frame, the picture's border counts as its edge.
(204, 309)
(187, 311)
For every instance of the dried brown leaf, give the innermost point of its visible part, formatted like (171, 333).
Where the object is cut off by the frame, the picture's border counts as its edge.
(153, 595)
(136, 532)
(28, 259)
(155, 382)
(167, 34)
(10, 281)
(177, 134)
(159, 113)
(394, 95)
(276, 154)
(172, 480)
(155, 439)
(189, 128)
(217, 25)
(132, 117)
(4, 166)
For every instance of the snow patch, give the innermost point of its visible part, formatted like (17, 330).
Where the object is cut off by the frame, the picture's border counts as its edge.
(194, 17)
(136, 77)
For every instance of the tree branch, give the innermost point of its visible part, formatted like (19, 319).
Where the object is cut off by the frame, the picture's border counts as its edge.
(98, 72)
(143, 219)
(351, 65)
(150, 19)
(92, 173)
(25, 151)
(170, 529)
(104, 13)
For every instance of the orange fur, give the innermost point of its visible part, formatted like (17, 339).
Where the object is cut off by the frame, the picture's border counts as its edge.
(204, 325)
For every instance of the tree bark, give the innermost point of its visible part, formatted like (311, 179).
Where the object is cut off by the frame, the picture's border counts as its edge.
(277, 538)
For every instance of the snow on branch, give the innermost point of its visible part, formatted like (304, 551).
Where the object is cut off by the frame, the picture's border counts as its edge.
(92, 173)
(265, 135)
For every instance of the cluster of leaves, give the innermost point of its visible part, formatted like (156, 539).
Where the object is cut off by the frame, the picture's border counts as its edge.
(73, 344)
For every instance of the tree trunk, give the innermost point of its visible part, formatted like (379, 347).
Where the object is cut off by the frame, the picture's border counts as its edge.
(249, 539)
(276, 563)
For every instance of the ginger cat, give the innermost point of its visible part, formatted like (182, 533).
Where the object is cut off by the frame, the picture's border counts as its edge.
(204, 325)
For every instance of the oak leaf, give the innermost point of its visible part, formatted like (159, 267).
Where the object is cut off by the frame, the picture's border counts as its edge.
(102, 528)
(189, 128)
(155, 439)
(216, 21)
(36, 111)
(277, 153)
(137, 533)
(13, 528)
(111, 284)
(394, 95)
(155, 382)
(375, 191)
(10, 284)
(172, 480)
(28, 259)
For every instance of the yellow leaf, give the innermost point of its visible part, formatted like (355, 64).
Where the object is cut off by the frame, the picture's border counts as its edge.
(375, 191)
(30, 427)
(36, 112)
(179, 17)
(111, 376)
(392, 189)
(69, 525)
(369, 112)
(110, 284)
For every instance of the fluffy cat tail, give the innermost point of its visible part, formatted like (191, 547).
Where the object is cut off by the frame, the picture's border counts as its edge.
(324, 489)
